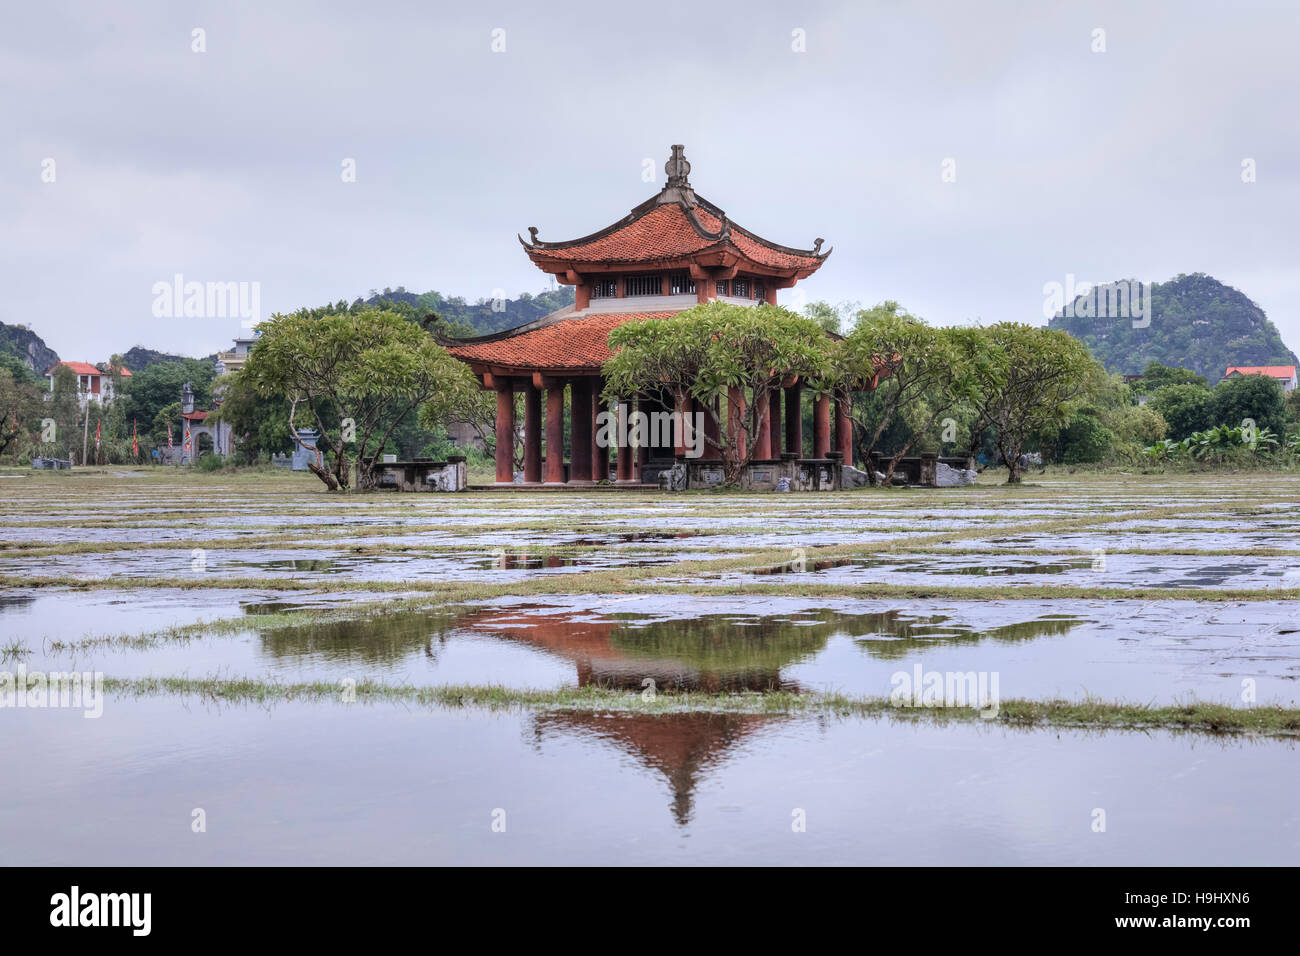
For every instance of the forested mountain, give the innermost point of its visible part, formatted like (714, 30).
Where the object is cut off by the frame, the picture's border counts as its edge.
(24, 344)
(1196, 322)
(139, 358)
(479, 316)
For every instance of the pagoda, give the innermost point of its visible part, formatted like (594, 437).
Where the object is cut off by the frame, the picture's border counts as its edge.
(673, 251)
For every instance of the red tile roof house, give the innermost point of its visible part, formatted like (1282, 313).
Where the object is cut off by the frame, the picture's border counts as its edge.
(93, 383)
(673, 251)
(1283, 374)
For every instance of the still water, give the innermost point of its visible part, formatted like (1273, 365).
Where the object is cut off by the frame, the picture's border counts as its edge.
(334, 784)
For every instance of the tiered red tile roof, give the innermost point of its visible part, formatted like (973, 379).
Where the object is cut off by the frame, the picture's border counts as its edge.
(564, 344)
(675, 229)
(665, 233)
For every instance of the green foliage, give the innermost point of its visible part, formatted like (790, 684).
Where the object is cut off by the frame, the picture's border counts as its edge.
(1156, 376)
(1085, 439)
(460, 318)
(1028, 380)
(159, 386)
(1223, 444)
(706, 351)
(21, 409)
(1186, 408)
(1135, 425)
(210, 462)
(1253, 397)
(832, 318)
(920, 372)
(259, 423)
(355, 375)
(20, 372)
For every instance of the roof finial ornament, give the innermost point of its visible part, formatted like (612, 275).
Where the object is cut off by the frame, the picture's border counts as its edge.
(817, 246)
(678, 188)
(677, 167)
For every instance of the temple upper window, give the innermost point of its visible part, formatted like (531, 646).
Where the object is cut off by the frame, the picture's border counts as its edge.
(644, 285)
(604, 289)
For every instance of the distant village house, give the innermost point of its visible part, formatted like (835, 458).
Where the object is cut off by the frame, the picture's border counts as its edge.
(94, 384)
(1284, 375)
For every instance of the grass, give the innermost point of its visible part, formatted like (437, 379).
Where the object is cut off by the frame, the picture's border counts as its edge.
(1092, 714)
(623, 582)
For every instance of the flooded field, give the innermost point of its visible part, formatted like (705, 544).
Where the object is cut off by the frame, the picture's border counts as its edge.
(606, 677)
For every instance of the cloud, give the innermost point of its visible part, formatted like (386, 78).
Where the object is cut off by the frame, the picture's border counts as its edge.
(225, 165)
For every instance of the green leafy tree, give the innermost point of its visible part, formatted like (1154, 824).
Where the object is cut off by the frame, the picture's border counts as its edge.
(1292, 404)
(824, 314)
(714, 350)
(1186, 408)
(355, 376)
(159, 385)
(477, 410)
(64, 408)
(20, 410)
(259, 423)
(1135, 426)
(1156, 376)
(1253, 397)
(1084, 439)
(920, 371)
(1029, 379)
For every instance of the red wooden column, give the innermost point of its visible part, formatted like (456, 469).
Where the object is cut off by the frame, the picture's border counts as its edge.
(599, 452)
(821, 426)
(794, 419)
(646, 408)
(736, 420)
(774, 423)
(555, 433)
(763, 440)
(683, 434)
(505, 434)
(580, 434)
(626, 453)
(532, 434)
(844, 430)
(711, 447)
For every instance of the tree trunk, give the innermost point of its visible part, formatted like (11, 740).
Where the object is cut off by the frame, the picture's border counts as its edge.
(316, 469)
(323, 475)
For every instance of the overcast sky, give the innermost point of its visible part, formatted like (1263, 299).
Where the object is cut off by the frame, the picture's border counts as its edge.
(227, 165)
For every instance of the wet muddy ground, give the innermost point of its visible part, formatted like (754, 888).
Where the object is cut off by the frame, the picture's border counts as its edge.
(1156, 590)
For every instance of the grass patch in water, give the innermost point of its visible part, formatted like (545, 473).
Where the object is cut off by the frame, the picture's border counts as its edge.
(1090, 713)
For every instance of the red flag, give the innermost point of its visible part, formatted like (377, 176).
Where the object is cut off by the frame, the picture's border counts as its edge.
(169, 435)
(187, 434)
(135, 441)
(97, 424)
